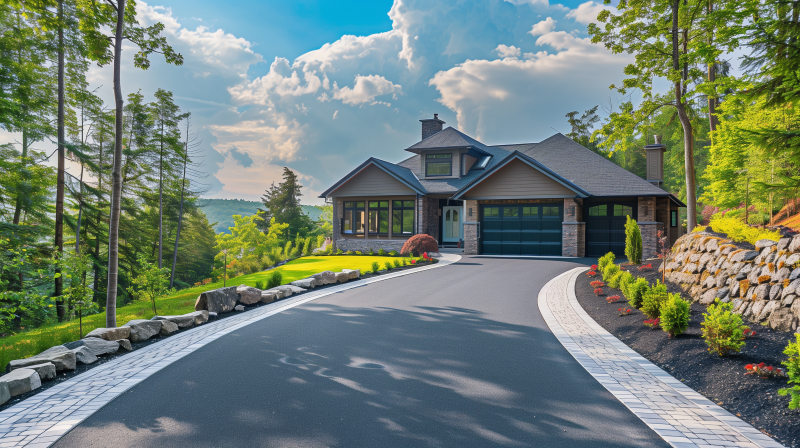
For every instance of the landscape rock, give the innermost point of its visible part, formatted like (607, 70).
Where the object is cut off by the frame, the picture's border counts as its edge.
(782, 319)
(167, 328)
(287, 290)
(342, 277)
(355, 274)
(248, 295)
(723, 292)
(110, 334)
(20, 381)
(125, 344)
(5, 395)
(762, 291)
(745, 255)
(708, 297)
(775, 292)
(182, 321)
(46, 370)
(200, 317)
(220, 300)
(794, 246)
(760, 244)
(307, 283)
(142, 329)
(325, 278)
(84, 355)
(712, 245)
(60, 356)
(269, 296)
(791, 260)
(755, 311)
(212, 316)
(788, 300)
(781, 275)
(239, 308)
(95, 345)
(783, 243)
(796, 308)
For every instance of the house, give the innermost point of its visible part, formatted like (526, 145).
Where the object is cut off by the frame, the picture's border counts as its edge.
(553, 198)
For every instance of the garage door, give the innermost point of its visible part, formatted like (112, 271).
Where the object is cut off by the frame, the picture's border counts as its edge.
(605, 227)
(525, 229)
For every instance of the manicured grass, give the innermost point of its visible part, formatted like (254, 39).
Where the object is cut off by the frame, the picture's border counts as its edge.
(29, 343)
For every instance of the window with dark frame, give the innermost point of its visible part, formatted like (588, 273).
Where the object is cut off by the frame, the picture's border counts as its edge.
(402, 217)
(353, 221)
(673, 218)
(438, 165)
(379, 217)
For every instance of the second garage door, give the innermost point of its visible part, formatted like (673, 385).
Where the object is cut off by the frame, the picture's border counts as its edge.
(524, 229)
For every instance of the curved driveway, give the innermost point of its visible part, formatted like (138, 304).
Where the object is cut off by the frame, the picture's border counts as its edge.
(450, 357)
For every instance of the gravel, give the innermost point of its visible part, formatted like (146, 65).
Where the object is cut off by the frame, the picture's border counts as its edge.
(686, 357)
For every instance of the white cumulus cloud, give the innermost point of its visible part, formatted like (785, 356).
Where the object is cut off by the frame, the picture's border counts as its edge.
(543, 27)
(586, 13)
(507, 52)
(366, 89)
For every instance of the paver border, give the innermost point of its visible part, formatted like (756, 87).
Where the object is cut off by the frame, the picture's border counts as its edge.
(21, 427)
(641, 406)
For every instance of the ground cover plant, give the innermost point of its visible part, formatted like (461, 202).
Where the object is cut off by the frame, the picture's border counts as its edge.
(720, 379)
(29, 343)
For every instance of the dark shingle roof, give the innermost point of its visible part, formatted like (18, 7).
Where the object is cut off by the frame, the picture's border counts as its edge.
(448, 138)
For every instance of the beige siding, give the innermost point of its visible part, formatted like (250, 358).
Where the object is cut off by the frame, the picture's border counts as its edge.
(372, 181)
(455, 168)
(518, 180)
(468, 162)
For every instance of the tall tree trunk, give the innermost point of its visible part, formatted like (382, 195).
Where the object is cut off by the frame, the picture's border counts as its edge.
(59, 237)
(160, 198)
(80, 215)
(96, 284)
(712, 77)
(180, 210)
(18, 205)
(688, 137)
(116, 175)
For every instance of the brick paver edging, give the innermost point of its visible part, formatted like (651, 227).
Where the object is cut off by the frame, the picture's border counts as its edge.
(43, 418)
(678, 414)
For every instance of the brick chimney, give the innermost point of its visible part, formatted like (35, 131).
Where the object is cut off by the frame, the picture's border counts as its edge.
(655, 162)
(431, 126)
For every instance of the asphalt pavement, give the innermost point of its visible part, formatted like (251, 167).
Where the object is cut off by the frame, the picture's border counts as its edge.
(457, 356)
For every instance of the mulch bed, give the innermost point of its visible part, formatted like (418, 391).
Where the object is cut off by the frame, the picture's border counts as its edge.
(687, 358)
(81, 368)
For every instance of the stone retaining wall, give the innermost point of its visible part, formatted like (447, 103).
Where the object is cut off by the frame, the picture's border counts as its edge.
(763, 283)
(364, 246)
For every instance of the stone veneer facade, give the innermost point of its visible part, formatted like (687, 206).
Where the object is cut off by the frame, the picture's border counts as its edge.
(471, 228)
(649, 226)
(573, 229)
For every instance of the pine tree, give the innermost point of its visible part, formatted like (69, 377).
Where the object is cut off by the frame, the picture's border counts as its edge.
(282, 202)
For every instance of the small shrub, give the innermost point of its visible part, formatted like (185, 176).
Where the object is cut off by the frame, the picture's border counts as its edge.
(675, 315)
(591, 273)
(597, 284)
(653, 299)
(358, 252)
(375, 267)
(623, 311)
(381, 252)
(339, 252)
(633, 241)
(723, 330)
(396, 263)
(610, 271)
(737, 230)
(604, 261)
(405, 261)
(418, 244)
(593, 267)
(793, 372)
(598, 291)
(620, 278)
(748, 332)
(653, 323)
(274, 279)
(764, 371)
(635, 292)
(259, 284)
(646, 267)
(349, 252)
(371, 252)
(388, 265)
(612, 299)
(393, 253)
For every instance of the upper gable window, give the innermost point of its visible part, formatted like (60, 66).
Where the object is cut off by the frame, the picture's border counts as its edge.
(438, 165)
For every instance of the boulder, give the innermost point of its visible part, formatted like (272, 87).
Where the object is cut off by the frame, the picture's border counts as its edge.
(712, 245)
(775, 292)
(46, 370)
(110, 334)
(754, 311)
(722, 280)
(708, 297)
(5, 395)
(220, 300)
(239, 308)
(761, 244)
(84, 355)
(694, 258)
(690, 268)
(355, 274)
(736, 304)
(745, 255)
(794, 246)
(342, 277)
(60, 356)
(269, 296)
(792, 288)
(200, 317)
(125, 344)
(753, 276)
(770, 258)
(95, 345)
(325, 278)
(287, 290)
(781, 275)
(182, 321)
(20, 381)
(248, 295)
(705, 259)
(767, 311)
(723, 292)
(762, 292)
(307, 283)
(142, 329)
(783, 243)
(782, 319)
(788, 300)
(167, 328)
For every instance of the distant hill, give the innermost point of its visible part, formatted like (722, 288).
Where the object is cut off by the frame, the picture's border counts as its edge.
(221, 211)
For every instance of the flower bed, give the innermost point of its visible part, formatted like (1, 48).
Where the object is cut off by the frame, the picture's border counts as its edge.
(686, 357)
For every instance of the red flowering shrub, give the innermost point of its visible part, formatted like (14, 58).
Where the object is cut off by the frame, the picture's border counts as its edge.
(597, 284)
(748, 332)
(645, 267)
(764, 371)
(624, 311)
(653, 323)
(594, 267)
(612, 299)
(591, 273)
(598, 291)
(419, 244)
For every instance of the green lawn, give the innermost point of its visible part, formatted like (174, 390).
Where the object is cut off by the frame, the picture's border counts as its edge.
(29, 343)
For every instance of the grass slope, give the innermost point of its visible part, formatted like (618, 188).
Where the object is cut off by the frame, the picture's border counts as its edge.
(23, 345)
(221, 211)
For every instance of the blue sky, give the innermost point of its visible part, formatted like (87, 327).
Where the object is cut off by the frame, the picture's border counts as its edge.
(320, 86)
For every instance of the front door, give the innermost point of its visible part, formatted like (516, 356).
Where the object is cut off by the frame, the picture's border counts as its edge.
(452, 224)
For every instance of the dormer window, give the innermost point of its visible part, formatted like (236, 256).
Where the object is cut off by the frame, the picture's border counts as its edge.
(438, 165)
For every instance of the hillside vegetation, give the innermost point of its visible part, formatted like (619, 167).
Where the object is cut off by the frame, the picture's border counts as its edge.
(221, 211)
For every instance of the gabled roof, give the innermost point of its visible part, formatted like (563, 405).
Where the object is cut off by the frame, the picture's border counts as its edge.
(404, 175)
(449, 138)
(516, 155)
